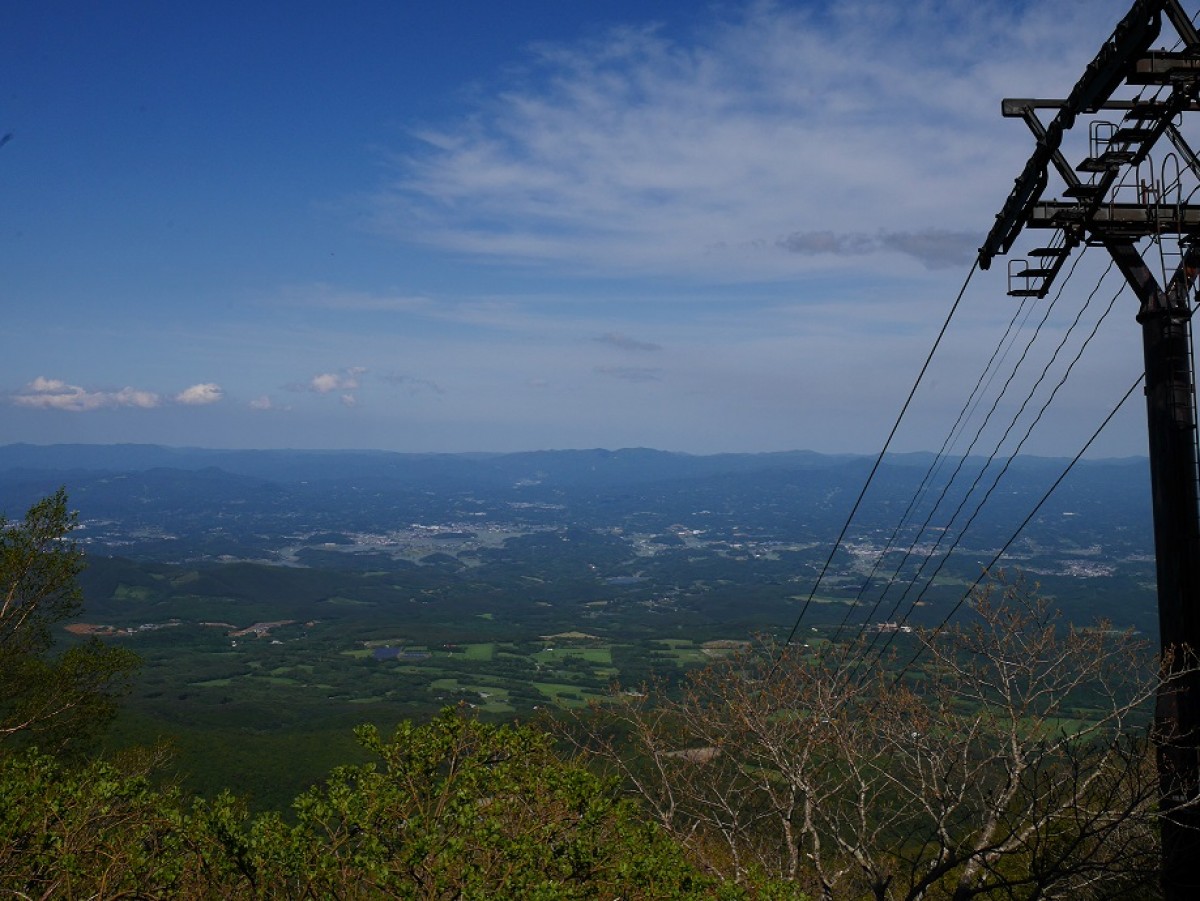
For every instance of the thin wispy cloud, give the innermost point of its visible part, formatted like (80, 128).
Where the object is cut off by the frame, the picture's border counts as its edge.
(413, 384)
(632, 373)
(473, 310)
(323, 296)
(755, 211)
(933, 248)
(637, 152)
(624, 342)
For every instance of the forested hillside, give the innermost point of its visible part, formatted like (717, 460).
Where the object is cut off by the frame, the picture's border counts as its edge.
(1006, 758)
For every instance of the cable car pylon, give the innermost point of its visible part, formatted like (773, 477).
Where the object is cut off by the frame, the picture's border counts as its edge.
(1114, 198)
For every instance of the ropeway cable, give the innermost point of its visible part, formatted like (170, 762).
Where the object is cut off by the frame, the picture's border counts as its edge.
(1004, 469)
(935, 465)
(878, 460)
(924, 527)
(986, 571)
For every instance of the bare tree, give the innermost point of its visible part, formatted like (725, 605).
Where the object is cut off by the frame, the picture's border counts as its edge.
(1014, 763)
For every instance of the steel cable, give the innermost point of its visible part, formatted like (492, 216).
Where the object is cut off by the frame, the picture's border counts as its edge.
(925, 526)
(878, 460)
(986, 571)
(1004, 469)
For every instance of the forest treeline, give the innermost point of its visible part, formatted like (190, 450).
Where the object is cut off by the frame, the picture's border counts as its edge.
(1009, 761)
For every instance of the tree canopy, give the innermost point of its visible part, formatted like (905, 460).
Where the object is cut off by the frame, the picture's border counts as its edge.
(1012, 762)
(453, 809)
(56, 700)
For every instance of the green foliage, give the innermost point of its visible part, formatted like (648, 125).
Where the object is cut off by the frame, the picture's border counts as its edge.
(57, 700)
(98, 831)
(461, 809)
(454, 809)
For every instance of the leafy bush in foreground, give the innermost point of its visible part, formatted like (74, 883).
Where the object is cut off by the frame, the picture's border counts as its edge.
(454, 809)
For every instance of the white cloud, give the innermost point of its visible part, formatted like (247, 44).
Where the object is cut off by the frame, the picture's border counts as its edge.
(50, 386)
(327, 382)
(349, 400)
(131, 397)
(346, 380)
(263, 402)
(200, 395)
(641, 152)
(56, 394)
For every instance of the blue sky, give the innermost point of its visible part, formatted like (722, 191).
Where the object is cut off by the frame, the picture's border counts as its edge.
(504, 226)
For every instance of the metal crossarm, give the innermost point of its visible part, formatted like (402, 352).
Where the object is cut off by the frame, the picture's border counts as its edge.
(1130, 41)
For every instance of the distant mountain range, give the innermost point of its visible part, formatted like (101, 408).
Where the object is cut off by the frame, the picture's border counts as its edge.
(568, 466)
(800, 493)
(596, 466)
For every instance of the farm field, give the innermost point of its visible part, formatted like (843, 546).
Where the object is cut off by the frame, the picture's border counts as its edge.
(278, 600)
(305, 685)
